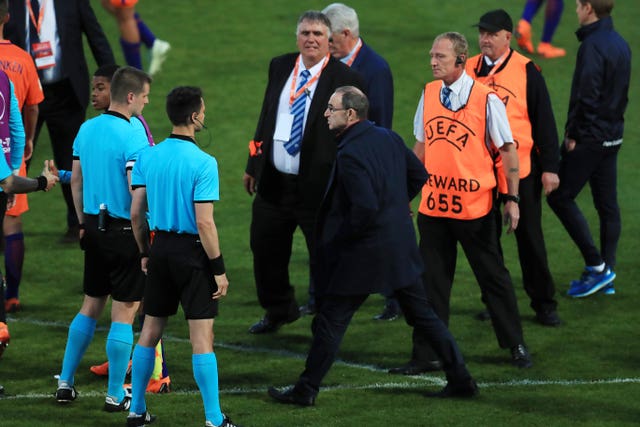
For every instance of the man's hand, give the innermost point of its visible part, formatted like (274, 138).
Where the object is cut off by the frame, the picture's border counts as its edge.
(28, 149)
(143, 264)
(569, 144)
(249, 183)
(48, 173)
(550, 181)
(223, 285)
(511, 215)
(11, 200)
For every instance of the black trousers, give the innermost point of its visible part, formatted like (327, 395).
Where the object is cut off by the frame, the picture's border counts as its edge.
(335, 313)
(439, 239)
(63, 116)
(593, 164)
(272, 229)
(532, 252)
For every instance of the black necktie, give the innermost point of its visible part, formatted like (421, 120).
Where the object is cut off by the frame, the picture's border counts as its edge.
(33, 31)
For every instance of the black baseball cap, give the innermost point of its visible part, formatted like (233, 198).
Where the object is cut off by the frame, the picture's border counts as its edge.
(495, 21)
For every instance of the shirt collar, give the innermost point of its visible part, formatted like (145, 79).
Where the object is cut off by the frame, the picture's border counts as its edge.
(116, 114)
(457, 86)
(353, 51)
(182, 137)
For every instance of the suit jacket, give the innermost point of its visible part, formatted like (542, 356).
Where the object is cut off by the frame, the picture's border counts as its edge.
(318, 148)
(74, 18)
(378, 83)
(365, 237)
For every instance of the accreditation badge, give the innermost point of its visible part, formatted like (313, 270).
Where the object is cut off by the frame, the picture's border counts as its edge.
(43, 55)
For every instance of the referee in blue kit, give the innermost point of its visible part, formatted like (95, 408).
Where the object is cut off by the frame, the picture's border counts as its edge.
(104, 151)
(177, 183)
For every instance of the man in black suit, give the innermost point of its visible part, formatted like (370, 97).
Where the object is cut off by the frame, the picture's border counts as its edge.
(290, 158)
(51, 31)
(366, 243)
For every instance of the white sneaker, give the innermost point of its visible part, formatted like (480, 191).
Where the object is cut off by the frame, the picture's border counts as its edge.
(159, 52)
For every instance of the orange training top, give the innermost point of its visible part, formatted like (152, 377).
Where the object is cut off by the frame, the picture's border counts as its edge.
(461, 179)
(510, 84)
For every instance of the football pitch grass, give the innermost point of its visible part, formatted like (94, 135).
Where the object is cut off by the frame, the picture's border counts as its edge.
(585, 371)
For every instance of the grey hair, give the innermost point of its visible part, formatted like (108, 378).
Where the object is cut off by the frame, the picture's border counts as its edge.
(460, 44)
(342, 17)
(314, 16)
(353, 98)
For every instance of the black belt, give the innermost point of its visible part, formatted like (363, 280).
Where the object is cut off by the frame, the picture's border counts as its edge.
(113, 224)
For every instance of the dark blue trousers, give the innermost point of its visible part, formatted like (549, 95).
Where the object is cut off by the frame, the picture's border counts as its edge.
(333, 318)
(596, 165)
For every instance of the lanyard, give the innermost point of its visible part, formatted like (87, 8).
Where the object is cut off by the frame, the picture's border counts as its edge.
(293, 95)
(355, 54)
(498, 62)
(38, 24)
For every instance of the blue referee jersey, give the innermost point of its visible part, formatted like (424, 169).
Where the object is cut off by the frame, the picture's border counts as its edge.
(107, 146)
(176, 174)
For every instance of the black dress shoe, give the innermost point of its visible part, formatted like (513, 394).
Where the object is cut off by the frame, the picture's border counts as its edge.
(391, 312)
(291, 396)
(417, 368)
(308, 309)
(483, 316)
(465, 389)
(548, 318)
(266, 325)
(520, 357)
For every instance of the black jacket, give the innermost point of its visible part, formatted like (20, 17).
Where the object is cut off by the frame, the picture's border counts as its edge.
(318, 149)
(74, 19)
(600, 87)
(366, 241)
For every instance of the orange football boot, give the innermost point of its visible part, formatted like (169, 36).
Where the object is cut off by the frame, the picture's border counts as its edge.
(163, 385)
(12, 305)
(4, 337)
(523, 36)
(548, 51)
(103, 370)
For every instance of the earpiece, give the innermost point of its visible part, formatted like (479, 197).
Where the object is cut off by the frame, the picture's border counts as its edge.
(199, 122)
(459, 60)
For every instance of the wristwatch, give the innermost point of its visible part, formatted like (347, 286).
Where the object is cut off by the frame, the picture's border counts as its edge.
(511, 198)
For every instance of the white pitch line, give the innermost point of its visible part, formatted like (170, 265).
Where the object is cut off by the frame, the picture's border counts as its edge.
(374, 386)
(285, 353)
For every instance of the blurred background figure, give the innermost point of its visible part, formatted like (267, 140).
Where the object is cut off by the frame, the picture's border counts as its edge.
(346, 45)
(552, 15)
(21, 70)
(134, 32)
(53, 33)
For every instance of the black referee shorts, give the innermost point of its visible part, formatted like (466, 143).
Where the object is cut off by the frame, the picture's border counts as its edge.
(111, 261)
(179, 272)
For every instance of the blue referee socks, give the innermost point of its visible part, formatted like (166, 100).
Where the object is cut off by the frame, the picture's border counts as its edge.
(119, 343)
(205, 372)
(80, 335)
(144, 359)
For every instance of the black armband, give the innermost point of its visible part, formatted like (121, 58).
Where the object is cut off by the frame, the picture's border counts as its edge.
(81, 226)
(42, 183)
(511, 198)
(217, 265)
(144, 255)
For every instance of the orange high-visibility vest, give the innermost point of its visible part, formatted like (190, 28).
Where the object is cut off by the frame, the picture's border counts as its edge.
(461, 180)
(510, 84)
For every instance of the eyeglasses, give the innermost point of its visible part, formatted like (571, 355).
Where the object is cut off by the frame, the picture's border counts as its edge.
(333, 109)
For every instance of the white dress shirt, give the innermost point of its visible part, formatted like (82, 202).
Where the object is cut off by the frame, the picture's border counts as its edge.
(498, 128)
(282, 160)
